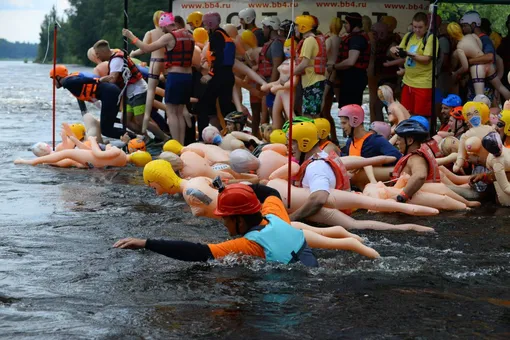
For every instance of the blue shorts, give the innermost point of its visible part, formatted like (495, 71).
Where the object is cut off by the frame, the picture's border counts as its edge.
(178, 89)
(270, 99)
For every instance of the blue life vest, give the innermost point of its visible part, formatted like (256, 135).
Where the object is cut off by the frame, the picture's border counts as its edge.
(144, 70)
(87, 75)
(281, 242)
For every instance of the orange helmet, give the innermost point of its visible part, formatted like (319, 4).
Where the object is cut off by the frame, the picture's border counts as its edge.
(60, 70)
(136, 145)
(237, 199)
(456, 113)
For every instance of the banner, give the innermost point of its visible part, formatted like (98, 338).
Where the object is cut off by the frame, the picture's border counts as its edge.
(323, 10)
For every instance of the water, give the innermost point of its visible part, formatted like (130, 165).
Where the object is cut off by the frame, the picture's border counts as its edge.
(60, 278)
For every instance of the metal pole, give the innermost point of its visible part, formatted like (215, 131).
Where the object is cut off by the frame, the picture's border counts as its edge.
(434, 63)
(291, 109)
(54, 81)
(126, 46)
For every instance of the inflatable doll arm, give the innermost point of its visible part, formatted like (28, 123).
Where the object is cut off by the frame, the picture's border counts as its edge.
(269, 86)
(447, 160)
(393, 139)
(461, 154)
(283, 171)
(79, 144)
(442, 135)
(279, 148)
(97, 152)
(245, 137)
(500, 174)
(246, 70)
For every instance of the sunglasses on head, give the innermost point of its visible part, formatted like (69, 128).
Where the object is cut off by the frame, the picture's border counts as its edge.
(500, 124)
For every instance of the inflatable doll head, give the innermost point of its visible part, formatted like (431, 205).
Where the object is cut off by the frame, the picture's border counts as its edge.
(173, 146)
(140, 158)
(492, 143)
(40, 149)
(476, 114)
(211, 135)
(242, 161)
(159, 175)
(173, 159)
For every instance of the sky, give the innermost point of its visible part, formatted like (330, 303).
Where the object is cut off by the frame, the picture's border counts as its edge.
(20, 20)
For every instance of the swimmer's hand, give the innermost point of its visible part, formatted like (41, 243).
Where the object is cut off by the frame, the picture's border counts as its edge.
(130, 243)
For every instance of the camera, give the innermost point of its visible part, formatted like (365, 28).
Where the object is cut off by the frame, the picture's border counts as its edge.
(401, 53)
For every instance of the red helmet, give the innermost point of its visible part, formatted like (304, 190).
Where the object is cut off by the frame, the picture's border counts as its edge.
(456, 113)
(354, 112)
(237, 199)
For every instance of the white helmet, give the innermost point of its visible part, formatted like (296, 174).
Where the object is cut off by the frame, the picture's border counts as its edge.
(248, 15)
(470, 17)
(272, 22)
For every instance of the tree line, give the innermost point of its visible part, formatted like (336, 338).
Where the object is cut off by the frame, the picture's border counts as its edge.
(17, 50)
(87, 21)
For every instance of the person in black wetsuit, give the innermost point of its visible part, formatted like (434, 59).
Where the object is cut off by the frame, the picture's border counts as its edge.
(220, 80)
(91, 90)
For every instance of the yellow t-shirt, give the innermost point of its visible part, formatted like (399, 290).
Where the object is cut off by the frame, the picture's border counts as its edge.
(417, 74)
(309, 50)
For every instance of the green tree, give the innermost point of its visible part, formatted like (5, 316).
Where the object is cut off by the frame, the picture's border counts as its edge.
(495, 13)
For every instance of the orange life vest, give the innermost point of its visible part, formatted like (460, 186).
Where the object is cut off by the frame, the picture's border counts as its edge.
(182, 53)
(323, 145)
(88, 91)
(334, 161)
(356, 151)
(321, 59)
(228, 51)
(434, 147)
(265, 68)
(364, 56)
(433, 175)
(136, 75)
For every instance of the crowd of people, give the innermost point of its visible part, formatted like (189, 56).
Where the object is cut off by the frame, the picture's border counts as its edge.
(205, 67)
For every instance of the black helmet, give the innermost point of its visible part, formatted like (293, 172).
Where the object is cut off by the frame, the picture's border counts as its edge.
(411, 128)
(286, 25)
(236, 117)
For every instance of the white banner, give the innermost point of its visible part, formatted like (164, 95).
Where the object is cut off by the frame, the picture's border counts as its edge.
(403, 11)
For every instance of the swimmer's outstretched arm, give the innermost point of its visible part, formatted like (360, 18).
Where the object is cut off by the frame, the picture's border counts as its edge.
(179, 250)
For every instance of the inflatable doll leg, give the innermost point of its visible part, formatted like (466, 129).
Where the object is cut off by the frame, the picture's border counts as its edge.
(315, 240)
(503, 198)
(69, 163)
(49, 159)
(332, 232)
(277, 111)
(454, 178)
(441, 189)
(335, 217)
(478, 75)
(353, 162)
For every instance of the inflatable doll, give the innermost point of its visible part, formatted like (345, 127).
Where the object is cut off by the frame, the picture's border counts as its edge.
(212, 153)
(201, 37)
(211, 135)
(201, 196)
(84, 158)
(498, 162)
(156, 66)
(396, 111)
(281, 89)
(476, 115)
(197, 166)
(470, 46)
(433, 195)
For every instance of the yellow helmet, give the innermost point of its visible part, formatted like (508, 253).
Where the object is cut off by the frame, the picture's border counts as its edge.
(323, 127)
(195, 19)
(140, 158)
(78, 130)
(505, 116)
(200, 35)
(305, 23)
(479, 109)
(173, 146)
(278, 137)
(335, 26)
(249, 39)
(306, 135)
(161, 172)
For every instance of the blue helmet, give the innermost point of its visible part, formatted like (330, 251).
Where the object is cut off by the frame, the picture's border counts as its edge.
(452, 100)
(422, 120)
(413, 127)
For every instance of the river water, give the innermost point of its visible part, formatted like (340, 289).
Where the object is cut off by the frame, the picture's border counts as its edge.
(60, 278)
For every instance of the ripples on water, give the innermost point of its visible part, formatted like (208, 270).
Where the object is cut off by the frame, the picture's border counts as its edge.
(60, 278)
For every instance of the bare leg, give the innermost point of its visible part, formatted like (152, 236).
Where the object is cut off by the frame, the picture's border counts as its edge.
(182, 123)
(173, 121)
(335, 217)
(278, 119)
(315, 240)
(332, 232)
(478, 75)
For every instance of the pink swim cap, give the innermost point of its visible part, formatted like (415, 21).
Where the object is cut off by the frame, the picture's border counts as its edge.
(166, 19)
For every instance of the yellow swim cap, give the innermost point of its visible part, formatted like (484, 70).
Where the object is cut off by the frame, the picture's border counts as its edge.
(78, 130)
(278, 137)
(161, 172)
(249, 39)
(335, 26)
(140, 158)
(496, 39)
(173, 146)
(200, 35)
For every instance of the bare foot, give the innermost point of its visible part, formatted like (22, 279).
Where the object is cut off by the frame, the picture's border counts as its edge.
(362, 249)
(20, 161)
